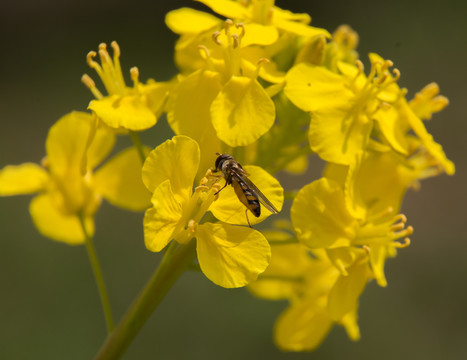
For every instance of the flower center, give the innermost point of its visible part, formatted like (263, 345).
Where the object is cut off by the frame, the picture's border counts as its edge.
(109, 71)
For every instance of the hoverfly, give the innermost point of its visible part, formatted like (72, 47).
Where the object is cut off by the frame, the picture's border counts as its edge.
(246, 191)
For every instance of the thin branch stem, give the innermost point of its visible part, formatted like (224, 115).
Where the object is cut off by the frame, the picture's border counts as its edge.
(96, 268)
(173, 264)
(138, 145)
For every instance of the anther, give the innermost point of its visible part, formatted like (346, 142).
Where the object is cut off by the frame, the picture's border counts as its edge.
(91, 85)
(204, 50)
(228, 24)
(116, 49)
(134, 73)
(402, 245)
(397, 75)
(201, 188)
(88, 81)
(90, 60)
(215, 37)
(242, 28)
(235, 41)
(192, 225)
(104, 55)
(360, 67)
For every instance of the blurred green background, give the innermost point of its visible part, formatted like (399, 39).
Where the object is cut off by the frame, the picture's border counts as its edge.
(49, 306)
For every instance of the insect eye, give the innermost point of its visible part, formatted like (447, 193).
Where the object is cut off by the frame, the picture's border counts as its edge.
(220, 160)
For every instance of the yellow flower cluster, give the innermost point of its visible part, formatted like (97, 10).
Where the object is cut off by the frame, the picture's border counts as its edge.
(263, 85)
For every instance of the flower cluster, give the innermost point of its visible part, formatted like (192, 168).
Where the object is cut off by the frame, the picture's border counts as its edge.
(262, 84)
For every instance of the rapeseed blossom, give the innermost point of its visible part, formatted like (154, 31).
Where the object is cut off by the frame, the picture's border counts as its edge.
(66, 184)
(230, 256)
(268, 88)
(133, 108)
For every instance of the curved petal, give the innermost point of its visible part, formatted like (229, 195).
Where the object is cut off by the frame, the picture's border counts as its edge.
(27, 178)
(313, 88)
(228, 207)
(338, 135)
(231, 256)
(242, 112)
(190, 21)
(230, 9)
(127, 112)
(119, 181)
(161, 221)
(303, 326)
(68, 145)
(188, 113)
(344, 295)
(320, 217)
(176, 159)
(55, 225)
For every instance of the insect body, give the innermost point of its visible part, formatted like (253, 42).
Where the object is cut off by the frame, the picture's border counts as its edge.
(246, 191)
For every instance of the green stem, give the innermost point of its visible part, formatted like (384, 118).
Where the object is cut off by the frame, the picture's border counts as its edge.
(96, 268)
(175, 261)
(138, 145)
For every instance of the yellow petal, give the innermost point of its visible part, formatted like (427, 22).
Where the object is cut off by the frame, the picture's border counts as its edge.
(161, 222)
(127, 112)
(257, 34)
(176, 160)
(55, 225)
(190, 21)
(343, 297)
(242, 112)
(67, 144)
(313, 88)
(229, 209)
(230, 9)
(392, 128)
(283, 278)
(21, 179)
(119, 181)
(337, 135)
(320, 217)
(303, 326)
(231, 256)
(189, 113)
(299, 29)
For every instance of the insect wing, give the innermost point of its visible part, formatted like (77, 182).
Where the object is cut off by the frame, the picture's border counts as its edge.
(262, 199)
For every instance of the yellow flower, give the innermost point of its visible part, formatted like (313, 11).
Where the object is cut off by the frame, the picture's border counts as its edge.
(126, 108)
(268, 27)
(223, 101)
(343, 106)
(357, 213)
(67, 186)
(230, 256)
(319, 295)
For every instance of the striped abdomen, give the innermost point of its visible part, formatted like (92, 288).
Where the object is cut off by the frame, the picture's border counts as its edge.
(247, 196)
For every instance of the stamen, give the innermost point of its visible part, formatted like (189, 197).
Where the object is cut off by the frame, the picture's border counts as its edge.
(201, 188)
(192, 226)
(260, 62)
(401, 245)
(116, 49)
(215, 37)
(91, 85)
(134, 73)
(242, 28)
(228, 24)
(360, 67)
(235, 41)
(397, 75)
(93, 64)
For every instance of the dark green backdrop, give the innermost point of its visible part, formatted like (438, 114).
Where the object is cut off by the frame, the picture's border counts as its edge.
(49, 306)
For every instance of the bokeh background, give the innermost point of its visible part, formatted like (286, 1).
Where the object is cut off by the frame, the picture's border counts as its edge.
(49, 306)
